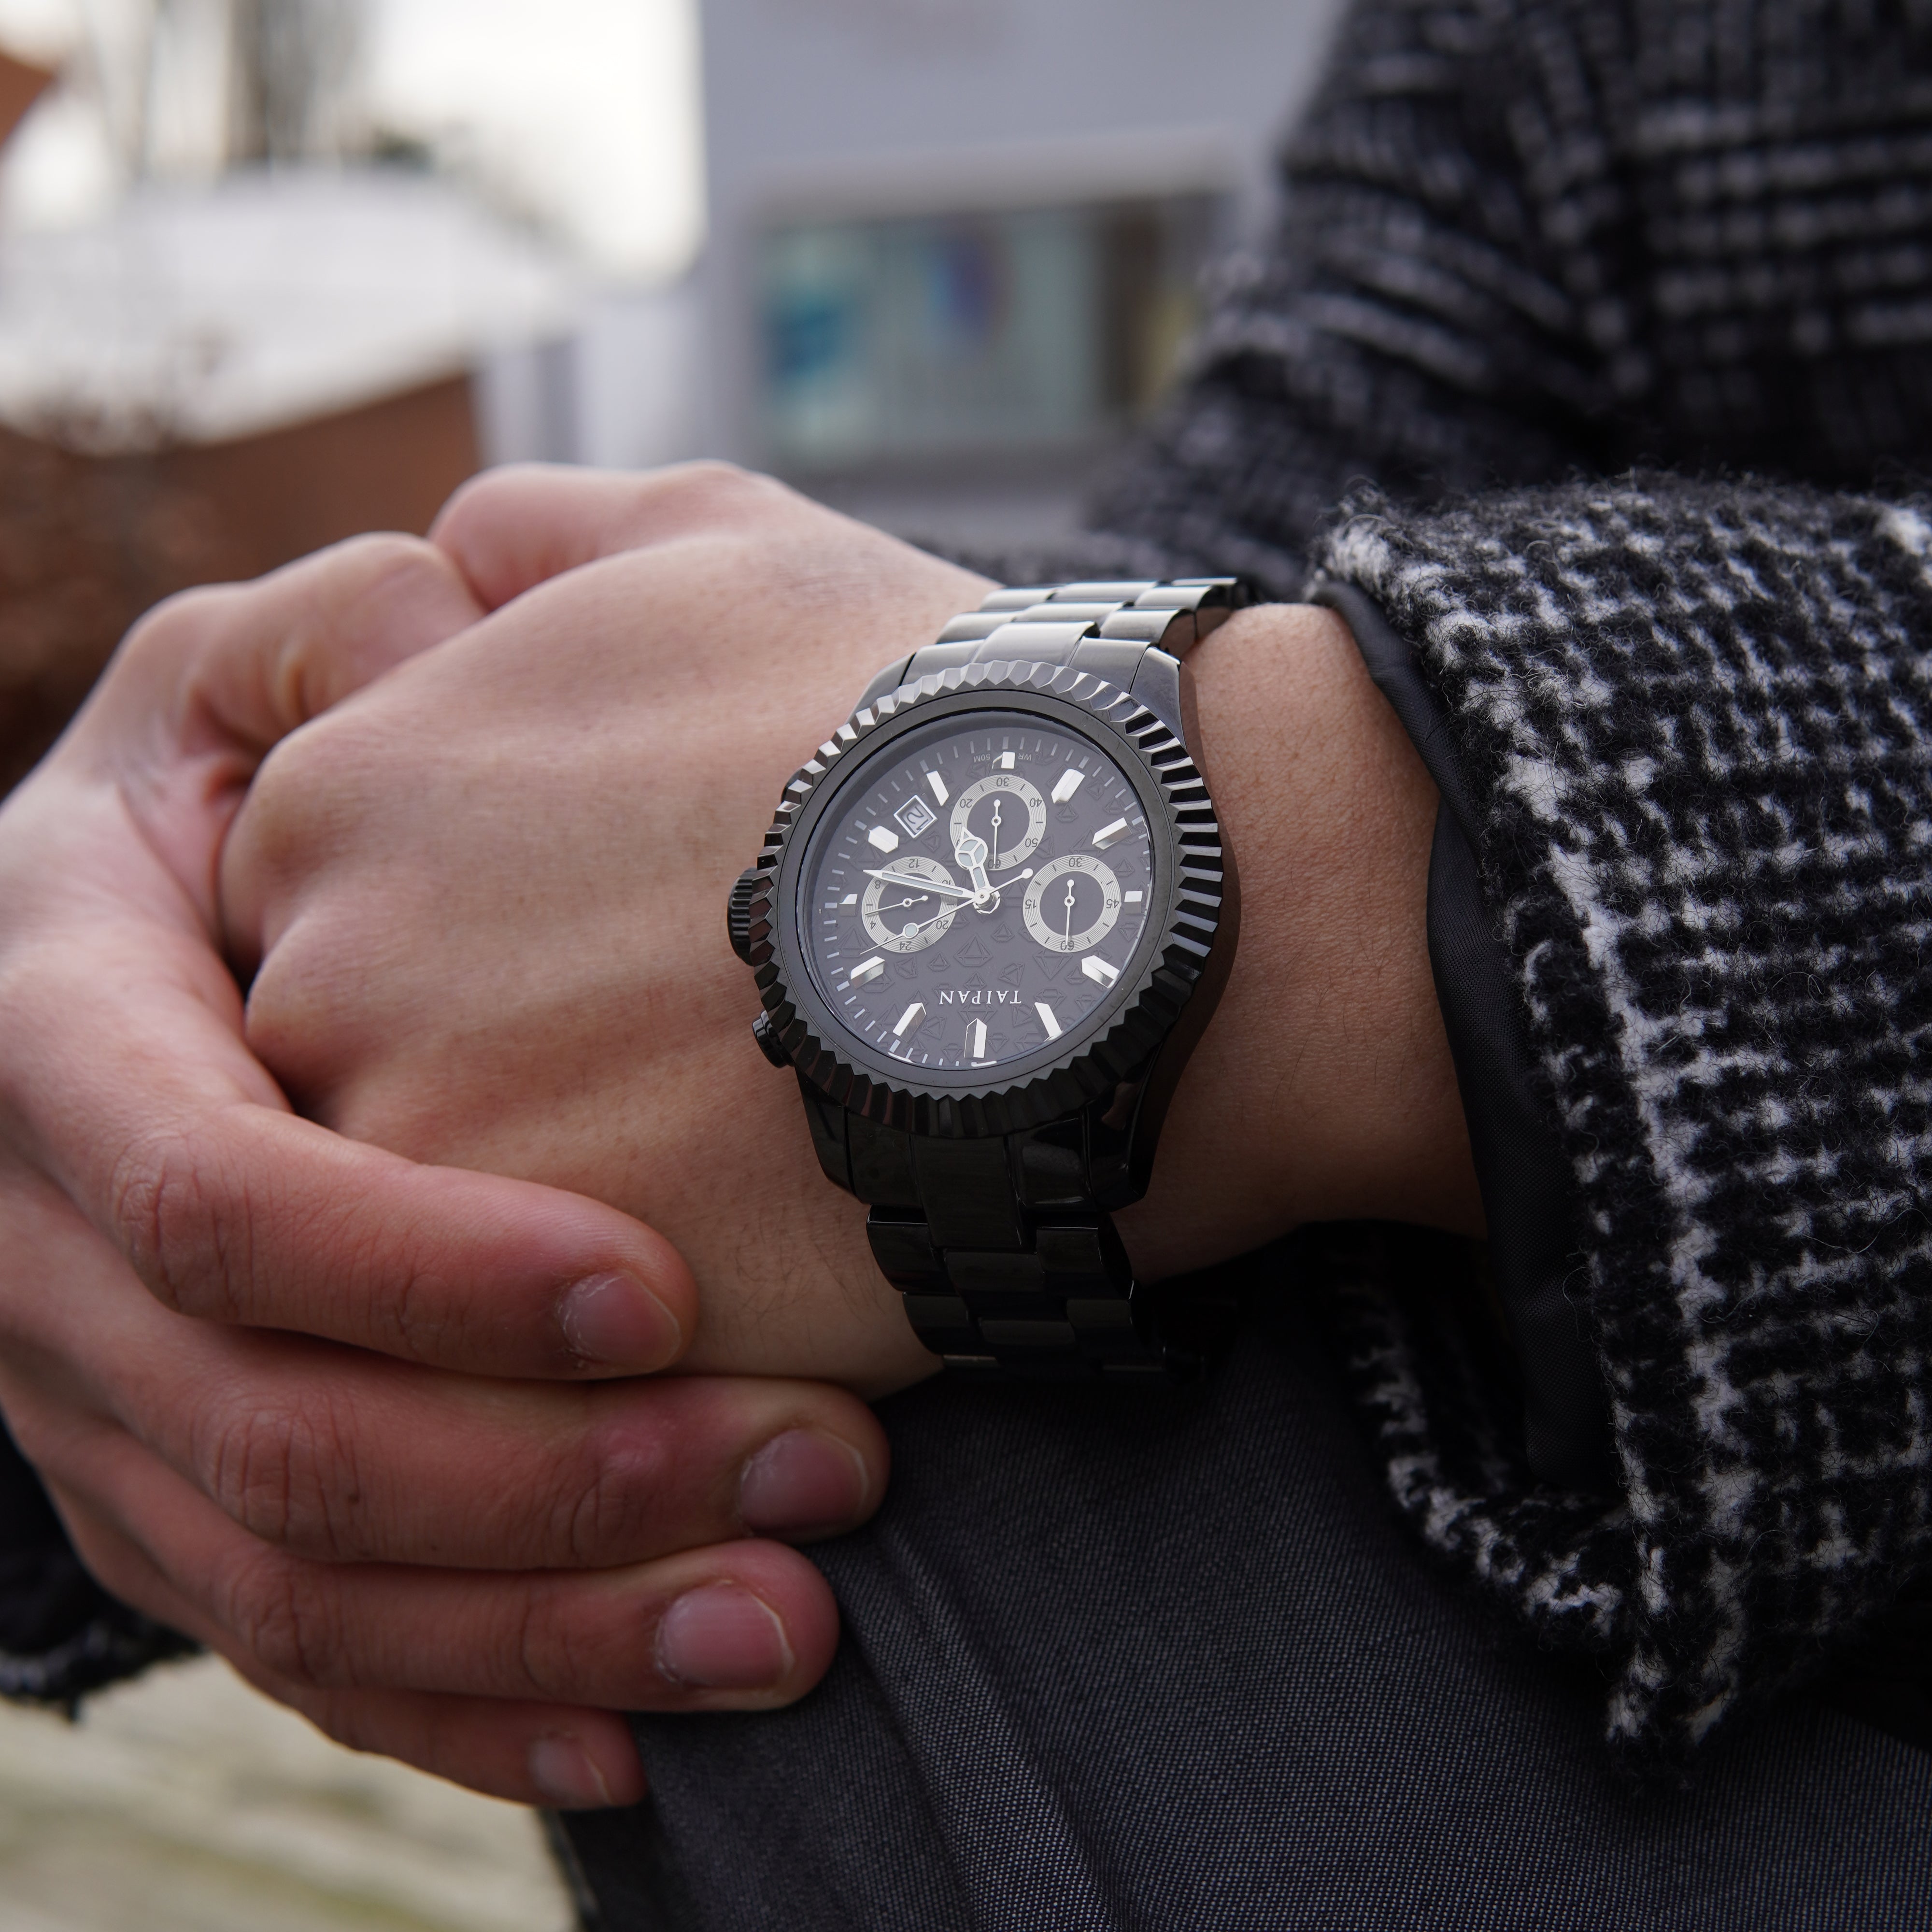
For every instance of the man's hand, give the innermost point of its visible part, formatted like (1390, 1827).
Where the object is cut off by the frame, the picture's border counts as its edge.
(469, 1573)
(487, 896)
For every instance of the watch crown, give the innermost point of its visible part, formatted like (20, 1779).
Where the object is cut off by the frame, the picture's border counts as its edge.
(738, 917)
(766, 1035)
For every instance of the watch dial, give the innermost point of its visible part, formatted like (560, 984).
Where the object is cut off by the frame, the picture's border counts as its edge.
(975, 891)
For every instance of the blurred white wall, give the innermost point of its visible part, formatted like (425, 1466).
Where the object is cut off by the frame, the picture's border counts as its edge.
(579, 119)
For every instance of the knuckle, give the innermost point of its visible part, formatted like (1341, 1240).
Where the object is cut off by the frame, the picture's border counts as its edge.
(182, 1217)
(178, 625)
(286, 1474)
(381, 555)
(415, 1316)
(281, 1612)
(711, 489)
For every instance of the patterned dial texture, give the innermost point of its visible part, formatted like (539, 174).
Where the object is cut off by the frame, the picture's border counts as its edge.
(976, 891)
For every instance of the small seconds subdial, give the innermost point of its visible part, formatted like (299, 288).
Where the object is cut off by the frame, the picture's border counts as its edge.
(1072, 902)
(1012, 824)
(900, 917)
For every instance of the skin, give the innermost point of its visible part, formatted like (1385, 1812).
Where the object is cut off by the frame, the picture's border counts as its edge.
(316, 1388)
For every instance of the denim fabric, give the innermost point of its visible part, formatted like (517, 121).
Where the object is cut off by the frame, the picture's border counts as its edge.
(1116, 1664)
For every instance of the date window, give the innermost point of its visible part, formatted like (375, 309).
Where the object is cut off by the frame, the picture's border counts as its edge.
(917, 817)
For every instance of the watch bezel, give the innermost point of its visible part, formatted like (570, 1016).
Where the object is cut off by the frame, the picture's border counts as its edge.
(1185, 839)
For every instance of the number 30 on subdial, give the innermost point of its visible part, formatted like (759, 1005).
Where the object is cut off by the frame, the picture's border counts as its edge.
(1072, 902)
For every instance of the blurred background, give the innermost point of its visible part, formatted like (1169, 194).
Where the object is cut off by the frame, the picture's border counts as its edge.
(275, 272)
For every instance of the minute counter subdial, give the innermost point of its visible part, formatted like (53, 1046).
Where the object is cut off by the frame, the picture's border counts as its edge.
(1013, 825)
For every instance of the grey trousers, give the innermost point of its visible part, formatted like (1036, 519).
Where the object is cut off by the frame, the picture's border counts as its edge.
(1113, 1663)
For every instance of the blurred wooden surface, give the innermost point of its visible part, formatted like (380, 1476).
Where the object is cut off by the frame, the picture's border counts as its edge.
(88, 543)
(21, 85)
(184, 1802)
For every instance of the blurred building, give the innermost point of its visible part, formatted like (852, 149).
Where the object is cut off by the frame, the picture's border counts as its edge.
(955, 245)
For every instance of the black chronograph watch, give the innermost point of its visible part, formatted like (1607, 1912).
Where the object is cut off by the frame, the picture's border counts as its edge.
(991, 917)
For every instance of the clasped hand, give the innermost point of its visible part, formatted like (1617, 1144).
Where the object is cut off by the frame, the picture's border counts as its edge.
(330, 1317)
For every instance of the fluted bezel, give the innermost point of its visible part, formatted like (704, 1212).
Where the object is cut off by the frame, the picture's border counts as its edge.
(1101, 1057)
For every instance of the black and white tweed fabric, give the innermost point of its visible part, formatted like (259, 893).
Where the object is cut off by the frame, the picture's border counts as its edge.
(1529, 242)
(1697, 720)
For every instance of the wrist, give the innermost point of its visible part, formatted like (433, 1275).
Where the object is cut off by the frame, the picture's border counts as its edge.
(1323, 1088)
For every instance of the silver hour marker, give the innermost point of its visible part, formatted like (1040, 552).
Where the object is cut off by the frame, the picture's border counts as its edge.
(1006, 761)
(1046, 1018)
(866, 969)
(1096, 969)
(1132, 898)
(938, 785)
(852, 898)
(1106, 836)
(979, 1047)
(910, 1018)
(887, 840)
(1070, 783)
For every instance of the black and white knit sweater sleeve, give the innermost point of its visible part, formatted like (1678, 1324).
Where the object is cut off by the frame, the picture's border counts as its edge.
(1695, 721)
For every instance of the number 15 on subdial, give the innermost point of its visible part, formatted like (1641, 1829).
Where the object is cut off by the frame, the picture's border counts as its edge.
(1072, 902)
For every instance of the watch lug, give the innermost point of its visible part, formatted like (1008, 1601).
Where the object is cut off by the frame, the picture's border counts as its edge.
(890, 679)
(1123, 1133)
(1159, 684)
(827, 1121)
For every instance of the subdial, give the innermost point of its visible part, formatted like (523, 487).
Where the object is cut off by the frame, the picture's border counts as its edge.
(1072, 902)
(1013, 825)
(899, 916)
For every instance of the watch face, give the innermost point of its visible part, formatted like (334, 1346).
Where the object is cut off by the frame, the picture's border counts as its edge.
(976, 889)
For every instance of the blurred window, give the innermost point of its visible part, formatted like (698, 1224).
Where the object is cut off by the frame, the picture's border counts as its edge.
(897, 340)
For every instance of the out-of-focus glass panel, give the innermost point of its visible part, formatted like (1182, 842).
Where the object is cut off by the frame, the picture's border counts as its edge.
(1012, 331)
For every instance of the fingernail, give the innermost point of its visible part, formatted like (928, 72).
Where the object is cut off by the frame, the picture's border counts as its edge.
(722, 1638)
(613, 1320)
(567, 1774)
(803, 1482)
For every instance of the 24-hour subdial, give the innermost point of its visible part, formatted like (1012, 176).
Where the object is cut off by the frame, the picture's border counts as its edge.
(1013, 825)
(1072, 902)
(901, 918)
